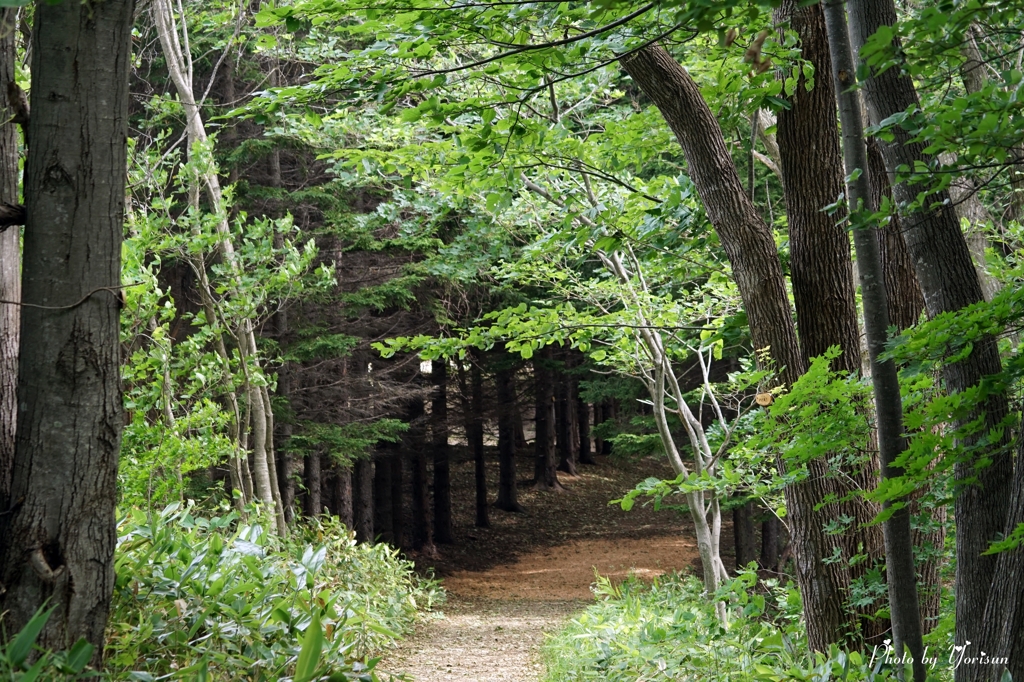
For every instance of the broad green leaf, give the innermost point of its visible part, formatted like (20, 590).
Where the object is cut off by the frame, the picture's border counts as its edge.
(312, 645)
(21, 647)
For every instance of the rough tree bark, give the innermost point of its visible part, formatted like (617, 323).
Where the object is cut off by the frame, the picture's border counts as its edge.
(821, 270)
(57, 538)
(743, 534)
(362, 499)
(10, 260)
(343, 495)
(902, 292)
(750, 245)
(771, 541)
(812, 169)
(949, 282)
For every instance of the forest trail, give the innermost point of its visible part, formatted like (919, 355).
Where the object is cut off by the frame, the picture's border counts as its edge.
(530, 572)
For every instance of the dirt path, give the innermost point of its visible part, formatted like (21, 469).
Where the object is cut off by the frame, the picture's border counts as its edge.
(531, 573)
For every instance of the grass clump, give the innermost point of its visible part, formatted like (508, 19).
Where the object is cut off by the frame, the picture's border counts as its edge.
(220, 598)
(668, 630)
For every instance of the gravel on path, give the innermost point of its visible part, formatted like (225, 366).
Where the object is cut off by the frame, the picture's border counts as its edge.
(482, 640)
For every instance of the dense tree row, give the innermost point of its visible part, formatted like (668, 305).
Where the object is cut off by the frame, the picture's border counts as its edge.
(363, 243)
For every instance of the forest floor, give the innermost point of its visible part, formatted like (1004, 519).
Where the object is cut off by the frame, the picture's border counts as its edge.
(524, 576)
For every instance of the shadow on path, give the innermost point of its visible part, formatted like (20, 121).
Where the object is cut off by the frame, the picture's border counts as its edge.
(530, 572)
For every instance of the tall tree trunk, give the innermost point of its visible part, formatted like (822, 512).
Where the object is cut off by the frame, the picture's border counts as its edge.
(10, 261)
(583, 424)
(508, 491)
(750, 245)
(329, 487)
(962, 191)
(565, 428)
(442, 473)
(313, 479)
(472, 398)
(545, 476)
(812, 169)
(822, 276)
(414, 442)
(948, 281)
(479, 463)
(57, 539)
(743, 534)
(771, 541)
(343, 495)
(607, 415)
(397, 495)
(383, 523)
(902, 292)
(362, 499)
(518, 421)
(899, 556)
(285, 460)
(905, 303)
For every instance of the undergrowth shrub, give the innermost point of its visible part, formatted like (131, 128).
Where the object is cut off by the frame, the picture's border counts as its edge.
(668, 630)
(222, 599)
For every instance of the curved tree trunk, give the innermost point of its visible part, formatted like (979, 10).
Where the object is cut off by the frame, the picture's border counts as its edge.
(57, 540)
(750, 245)
(179, 66)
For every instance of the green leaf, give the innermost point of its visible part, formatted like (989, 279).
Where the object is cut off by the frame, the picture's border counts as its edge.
(79, 655)
(309, 656)
(32, 673)
(377, 627)
(22, 644)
